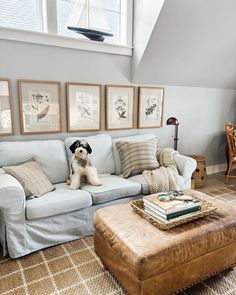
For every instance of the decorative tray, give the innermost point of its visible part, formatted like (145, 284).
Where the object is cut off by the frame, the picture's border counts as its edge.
(207, 209)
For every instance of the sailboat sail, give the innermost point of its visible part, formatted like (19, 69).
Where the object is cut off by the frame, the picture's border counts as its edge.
(89, 14)
(97, 17)
(80, 13)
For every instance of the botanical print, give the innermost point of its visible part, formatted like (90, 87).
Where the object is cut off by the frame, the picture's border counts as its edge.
(40, 105)
(84, 107)
(5, 109)
(119, 102)
(150, 107)
(5, 116)
(5, 120)
(120, 109)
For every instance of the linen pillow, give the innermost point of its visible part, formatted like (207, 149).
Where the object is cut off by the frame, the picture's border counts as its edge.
(138, 156)
(131, 138)
(32, 178)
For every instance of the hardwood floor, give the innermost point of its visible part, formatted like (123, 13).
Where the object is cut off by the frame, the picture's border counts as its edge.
(216, 187)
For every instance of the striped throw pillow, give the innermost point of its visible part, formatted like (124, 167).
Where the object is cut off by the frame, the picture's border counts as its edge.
(138, 156)
(32, 178)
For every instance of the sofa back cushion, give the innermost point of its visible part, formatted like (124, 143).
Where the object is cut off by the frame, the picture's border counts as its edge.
(101, 156)
(118, 163)
(50, 154)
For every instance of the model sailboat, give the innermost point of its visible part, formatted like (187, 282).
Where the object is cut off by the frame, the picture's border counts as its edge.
(90, 20)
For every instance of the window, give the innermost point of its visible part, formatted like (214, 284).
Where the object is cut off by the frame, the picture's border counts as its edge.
(104, 15)
(51, 18)
(21, 14)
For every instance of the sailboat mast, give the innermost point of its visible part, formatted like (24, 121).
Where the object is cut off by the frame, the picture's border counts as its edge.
(88, 22)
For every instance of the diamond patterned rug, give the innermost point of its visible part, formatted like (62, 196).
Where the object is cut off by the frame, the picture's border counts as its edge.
(68, 269)
(74, 269)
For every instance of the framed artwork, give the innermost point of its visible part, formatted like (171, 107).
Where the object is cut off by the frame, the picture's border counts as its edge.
(119, 107)
(40, 106)
(83, 107)
(6, 113)
(150, 107)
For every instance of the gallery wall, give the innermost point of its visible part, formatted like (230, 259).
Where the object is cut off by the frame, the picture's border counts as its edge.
(201, 112)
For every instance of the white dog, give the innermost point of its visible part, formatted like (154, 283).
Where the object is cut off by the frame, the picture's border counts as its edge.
(81, 165)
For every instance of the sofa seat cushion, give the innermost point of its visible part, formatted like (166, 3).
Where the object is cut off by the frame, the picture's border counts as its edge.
(140, 179)
(145, 189)
(61, 200)
(113, 187)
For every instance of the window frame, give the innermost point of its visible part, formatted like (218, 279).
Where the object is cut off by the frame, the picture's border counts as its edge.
(49, 35)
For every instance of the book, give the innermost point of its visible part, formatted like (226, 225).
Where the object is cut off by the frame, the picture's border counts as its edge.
(170, 216)
(173, 210)
(180, 209)
(172, 206)
(172, 219)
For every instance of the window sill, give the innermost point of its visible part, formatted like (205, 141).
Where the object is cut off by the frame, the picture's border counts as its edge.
(62, 41)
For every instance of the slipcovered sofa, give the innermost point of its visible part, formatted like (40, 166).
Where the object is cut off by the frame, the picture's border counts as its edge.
(63, 214)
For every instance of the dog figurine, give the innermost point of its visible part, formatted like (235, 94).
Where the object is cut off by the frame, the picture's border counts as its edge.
(81, 166)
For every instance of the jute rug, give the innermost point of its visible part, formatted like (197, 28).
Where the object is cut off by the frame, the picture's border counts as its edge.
(74, 269)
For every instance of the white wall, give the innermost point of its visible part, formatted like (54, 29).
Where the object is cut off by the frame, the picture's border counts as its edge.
(202, 112)
(193, 43)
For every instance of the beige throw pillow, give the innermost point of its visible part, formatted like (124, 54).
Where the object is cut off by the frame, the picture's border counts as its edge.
(138, 156)
(32, 178)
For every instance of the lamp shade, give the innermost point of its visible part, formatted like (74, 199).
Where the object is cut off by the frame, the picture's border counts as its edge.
(172, 121)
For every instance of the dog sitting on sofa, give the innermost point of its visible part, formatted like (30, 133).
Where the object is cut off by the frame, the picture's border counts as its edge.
(80, 165)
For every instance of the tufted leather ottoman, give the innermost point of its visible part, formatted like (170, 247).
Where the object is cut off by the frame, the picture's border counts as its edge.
(148, 261)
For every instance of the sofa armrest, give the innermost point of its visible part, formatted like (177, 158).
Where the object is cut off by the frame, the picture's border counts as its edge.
(12, 195)
(12, 215)
(185, 165)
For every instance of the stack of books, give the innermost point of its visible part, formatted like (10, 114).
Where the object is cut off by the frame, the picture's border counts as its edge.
(172, 208)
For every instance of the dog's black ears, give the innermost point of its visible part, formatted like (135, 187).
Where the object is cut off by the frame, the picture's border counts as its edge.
(78, 143)
(88, 148)
(74, 146)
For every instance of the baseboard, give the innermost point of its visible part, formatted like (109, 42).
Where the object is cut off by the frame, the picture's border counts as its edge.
(216, 168)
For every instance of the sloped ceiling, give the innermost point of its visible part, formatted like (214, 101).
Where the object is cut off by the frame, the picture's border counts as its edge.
(145, 17)
(193, 43)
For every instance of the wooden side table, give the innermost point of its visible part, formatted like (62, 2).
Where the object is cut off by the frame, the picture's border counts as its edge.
(199, 175)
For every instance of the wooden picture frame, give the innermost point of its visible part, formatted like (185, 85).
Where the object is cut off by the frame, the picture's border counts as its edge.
(150, 107)
(6, 109)
(120, 101)
(40, 106)
(84, 106)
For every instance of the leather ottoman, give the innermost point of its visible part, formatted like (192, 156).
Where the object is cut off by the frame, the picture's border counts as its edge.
(148, 261)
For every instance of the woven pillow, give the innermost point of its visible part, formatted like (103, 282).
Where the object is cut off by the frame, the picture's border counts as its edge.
(138, 156)
(32, 178)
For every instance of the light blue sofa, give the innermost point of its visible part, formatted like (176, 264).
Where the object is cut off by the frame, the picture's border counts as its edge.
(64, 215)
